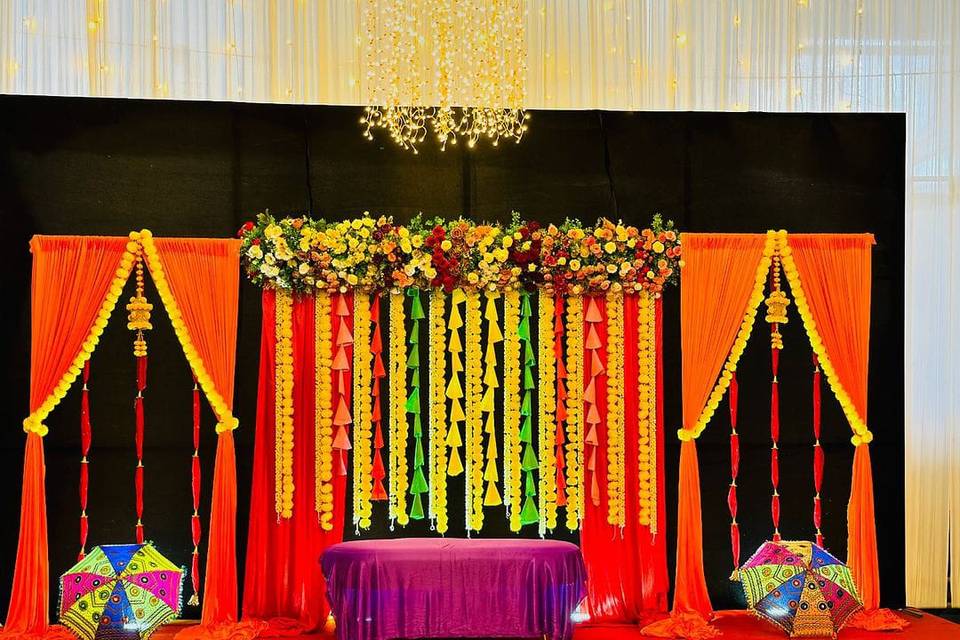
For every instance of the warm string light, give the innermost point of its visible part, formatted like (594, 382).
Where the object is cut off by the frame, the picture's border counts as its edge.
(477, 50)
(574, 454)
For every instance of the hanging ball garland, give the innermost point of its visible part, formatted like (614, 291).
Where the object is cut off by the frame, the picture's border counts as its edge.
(575, 353)
(454, 389)
(547, 407)
(362, 395)
(647, 408)
(323, 416)
(491, 383)
(398, 418)
(283, 407)
(473, 426)
(511, 407)
(438, 411)
(616, 445)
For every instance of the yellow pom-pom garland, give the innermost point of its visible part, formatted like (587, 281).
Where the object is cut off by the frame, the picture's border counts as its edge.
(511, 407)
(473, 428)
(362, 411)
(454, 390)
(546, 407)
(647, 410)
(616, 474)
(323, 412)
(491, 472)
(574, 438)
(398, 415)
(283, 406)
(438, 412)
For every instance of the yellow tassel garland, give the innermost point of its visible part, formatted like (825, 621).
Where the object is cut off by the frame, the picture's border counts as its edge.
(511, 407)
(398, 414)
(454, 389)
(362, 411)
(323, 412)
(547, 406)
(574, 451)
(491, 473)
(616, 477)
(438, 412)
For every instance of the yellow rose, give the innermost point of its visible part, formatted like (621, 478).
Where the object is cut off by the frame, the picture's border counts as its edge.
(561, 261)
(658, 247)
(507, 242)
(446, 245)
(610, 247)
(472, 278)
(611, 268)
(272, 231)
(574, 265)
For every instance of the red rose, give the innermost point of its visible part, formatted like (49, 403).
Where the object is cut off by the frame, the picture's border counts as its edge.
(247, 226)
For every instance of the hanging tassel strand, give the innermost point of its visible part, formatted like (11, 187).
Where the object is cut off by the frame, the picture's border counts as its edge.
(138, 320)
(817, 451)
(733, 398)
(777, 304)
(195, 526)
(86, 436)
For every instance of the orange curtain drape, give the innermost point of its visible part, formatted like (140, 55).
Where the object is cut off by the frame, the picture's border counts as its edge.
(203, 276)
(71, 279)
(718, 279)
(834, 273)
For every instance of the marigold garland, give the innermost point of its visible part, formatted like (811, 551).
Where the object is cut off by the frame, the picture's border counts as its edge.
(283, 406)
(418, 483)
(473, 427)
(34, 422)
(398, 417)
(739, 344)
(377, 471)
(362, 412)
(511, 407)
(647, 411)
(861, 434)
(616, 473)
(491, 382)
(529, 513)
(323, 413)
(559, 440)
(547, 406)
(454, 389)
(438, 412)
(574, 422)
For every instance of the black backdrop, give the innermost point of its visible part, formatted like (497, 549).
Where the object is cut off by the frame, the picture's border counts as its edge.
(83, 166)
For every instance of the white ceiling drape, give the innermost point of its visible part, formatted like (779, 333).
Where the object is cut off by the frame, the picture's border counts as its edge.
(758, 55)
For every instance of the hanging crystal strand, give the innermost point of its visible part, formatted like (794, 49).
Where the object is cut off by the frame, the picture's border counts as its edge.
(733, 393)
(85, 439)
(138, 320)
(817, 450)
(777, 304)
(195, 528)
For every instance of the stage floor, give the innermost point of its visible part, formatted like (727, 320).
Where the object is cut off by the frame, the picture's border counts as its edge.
(735, 625)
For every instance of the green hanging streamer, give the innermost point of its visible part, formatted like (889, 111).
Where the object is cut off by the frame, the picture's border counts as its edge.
(418, 482)
(529, 464)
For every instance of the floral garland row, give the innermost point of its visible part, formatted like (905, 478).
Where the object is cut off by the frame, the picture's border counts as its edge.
(373, 253)
(323, 415)
(647, 411)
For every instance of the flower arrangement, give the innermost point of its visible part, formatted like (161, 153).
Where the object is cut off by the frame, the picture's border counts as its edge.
(375, 253)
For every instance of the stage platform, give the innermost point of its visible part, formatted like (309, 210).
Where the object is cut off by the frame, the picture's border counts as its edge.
(735, 625)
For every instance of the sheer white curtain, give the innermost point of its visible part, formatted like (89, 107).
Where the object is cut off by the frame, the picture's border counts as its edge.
(759, 55)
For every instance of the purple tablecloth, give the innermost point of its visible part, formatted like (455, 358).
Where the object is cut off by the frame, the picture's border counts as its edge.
(442, 588)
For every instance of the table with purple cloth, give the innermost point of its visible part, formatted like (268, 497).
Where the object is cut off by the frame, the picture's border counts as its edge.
(453, 588)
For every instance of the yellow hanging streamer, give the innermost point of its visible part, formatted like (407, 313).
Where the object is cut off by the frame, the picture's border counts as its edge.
(323, 413)
(491, 473)
(438, 411)
(454, 389)
(283, 406)
(616, 477)
(362, 410)
(574, 451)
(398, 414)
(474, 422)
(647, 411)
(547, 407)
(511, 407)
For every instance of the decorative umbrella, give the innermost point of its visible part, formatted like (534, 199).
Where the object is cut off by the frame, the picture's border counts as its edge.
(120, 591)
(799, 587)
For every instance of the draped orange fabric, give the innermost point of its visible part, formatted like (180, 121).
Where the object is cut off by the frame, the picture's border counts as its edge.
(203, 276)
(834, 272)
(717, 281)
(71, 279)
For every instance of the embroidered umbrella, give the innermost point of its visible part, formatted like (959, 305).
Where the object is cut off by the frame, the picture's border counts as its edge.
(120, 591)
(799, 587)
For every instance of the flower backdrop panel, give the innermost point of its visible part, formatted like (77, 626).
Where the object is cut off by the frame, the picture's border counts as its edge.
(521, 358)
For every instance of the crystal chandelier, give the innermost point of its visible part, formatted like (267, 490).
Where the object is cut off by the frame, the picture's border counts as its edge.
(448, 68)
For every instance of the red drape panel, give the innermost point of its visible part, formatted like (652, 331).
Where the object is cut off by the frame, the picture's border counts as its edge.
(202, 276)
(283, 583)
(834, 273)
(71, 279)
(626, 574)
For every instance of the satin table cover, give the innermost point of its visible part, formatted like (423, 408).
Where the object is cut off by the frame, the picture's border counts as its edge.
(453, 588)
